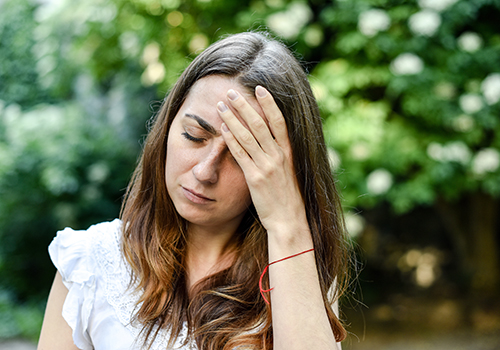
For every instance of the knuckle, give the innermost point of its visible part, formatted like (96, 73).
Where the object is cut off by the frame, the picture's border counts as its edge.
(246, 138)
(268, 169)
(279, 121)
(257, 178)
(239, 153)
(259, 125)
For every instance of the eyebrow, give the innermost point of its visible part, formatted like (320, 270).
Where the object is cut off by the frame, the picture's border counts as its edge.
(203, 123)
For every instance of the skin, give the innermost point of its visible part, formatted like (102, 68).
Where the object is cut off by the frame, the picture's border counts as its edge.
(207, 187)
(263, 151)
(226, 149)
(56, 334)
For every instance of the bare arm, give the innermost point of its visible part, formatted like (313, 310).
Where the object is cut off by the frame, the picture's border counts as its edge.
(300, 320)
(264, 153)
(56, 333)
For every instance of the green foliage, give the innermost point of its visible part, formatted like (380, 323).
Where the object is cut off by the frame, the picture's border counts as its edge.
(75, 86)
(19, 320)
(64, 162)
(412, 107)
(409, 93)
(66, 170)
(17, 66)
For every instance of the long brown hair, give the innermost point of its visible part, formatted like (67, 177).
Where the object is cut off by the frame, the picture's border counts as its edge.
(226, 309)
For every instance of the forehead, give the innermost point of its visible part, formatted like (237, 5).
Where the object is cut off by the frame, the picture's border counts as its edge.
(216, 87)
(208, 91)
(213, 83)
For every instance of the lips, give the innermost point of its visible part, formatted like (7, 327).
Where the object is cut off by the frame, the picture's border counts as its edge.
(196, 197)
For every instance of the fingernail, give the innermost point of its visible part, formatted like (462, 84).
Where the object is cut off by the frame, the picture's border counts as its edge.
(233, 95)
(260, 91)
(221, 106)
(224, 127)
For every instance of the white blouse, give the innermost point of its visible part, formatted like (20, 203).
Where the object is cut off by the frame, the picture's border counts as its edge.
(100, 305)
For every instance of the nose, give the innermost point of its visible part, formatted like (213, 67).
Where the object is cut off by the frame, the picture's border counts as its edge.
(207, 169)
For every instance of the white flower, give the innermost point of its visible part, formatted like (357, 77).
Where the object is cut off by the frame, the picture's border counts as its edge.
(425, 22)
(379, 181)
(438, 5)
(153, 74)
(491, 88)
(373, 21)
(456, 151)
(130, 43)
(463, 123)
(290, 22)
(98, 172)
(469, 42)
(407, 64)
(198, 43)
(470, 103)
(313, 36)
(486, 161)
(354, 223)
(435, 151)
(360, 151)
(445, 90)
(151, 53)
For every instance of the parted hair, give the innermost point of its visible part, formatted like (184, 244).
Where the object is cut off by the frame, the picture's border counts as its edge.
(226, 310)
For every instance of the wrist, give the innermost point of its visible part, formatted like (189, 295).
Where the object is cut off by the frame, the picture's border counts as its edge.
(262, 291)
(287, 239)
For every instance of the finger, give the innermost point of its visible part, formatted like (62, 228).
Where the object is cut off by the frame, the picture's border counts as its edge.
(240, 155)
(241, 134)
(254, 120)
(274, 116)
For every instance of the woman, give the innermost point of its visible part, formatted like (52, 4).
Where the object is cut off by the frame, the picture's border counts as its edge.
(234, 176)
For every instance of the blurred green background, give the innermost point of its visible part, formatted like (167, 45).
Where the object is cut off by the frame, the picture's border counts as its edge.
(409, 93)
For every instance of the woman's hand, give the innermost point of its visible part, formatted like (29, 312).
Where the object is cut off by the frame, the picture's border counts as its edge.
(264, 154)
(262, 149)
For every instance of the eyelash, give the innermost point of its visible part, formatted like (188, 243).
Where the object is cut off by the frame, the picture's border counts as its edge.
(191, 138)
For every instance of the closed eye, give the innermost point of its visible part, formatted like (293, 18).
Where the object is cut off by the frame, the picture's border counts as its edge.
(192, 138)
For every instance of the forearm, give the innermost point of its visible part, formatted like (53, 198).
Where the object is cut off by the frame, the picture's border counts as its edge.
(264, 153)
(300, 320)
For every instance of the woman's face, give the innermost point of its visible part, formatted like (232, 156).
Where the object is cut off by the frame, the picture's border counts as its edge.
(206, 184)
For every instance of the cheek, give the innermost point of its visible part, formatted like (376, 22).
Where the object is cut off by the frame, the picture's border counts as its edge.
(179, 157)
(176, 164)
(238, 185)
(169, 162)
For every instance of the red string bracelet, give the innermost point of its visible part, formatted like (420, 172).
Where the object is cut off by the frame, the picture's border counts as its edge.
(262, 291)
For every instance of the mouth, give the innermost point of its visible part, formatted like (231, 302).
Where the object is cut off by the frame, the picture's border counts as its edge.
(196, 197)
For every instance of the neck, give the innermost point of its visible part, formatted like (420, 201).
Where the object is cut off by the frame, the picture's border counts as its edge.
(208, 252)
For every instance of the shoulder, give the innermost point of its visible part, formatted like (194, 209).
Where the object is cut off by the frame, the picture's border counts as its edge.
(75, 253)
(104, 229)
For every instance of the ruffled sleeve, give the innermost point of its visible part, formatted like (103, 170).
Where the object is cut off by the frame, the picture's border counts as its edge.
(70, 253)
